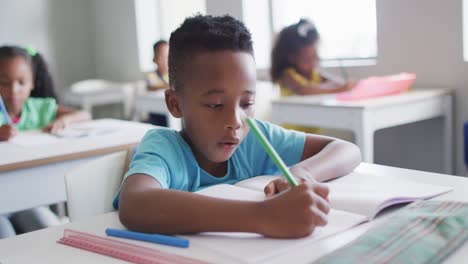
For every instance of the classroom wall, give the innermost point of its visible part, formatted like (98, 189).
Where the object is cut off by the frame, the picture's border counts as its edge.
(60, 29)
(116, 44)
(223, 7)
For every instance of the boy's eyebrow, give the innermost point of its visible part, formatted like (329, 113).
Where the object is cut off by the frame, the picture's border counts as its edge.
(213, 91)
(218, 91)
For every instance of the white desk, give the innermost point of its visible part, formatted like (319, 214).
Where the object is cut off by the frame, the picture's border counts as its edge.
(154, 102)
(34, 175)
(365, 117)
(87, 100)
(41, 246)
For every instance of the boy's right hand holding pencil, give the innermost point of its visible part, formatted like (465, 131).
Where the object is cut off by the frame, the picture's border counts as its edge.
(295, 212)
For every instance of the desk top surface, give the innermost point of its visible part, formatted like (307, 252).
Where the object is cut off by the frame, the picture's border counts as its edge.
(41, 246)
(331, 101)
(121, 135)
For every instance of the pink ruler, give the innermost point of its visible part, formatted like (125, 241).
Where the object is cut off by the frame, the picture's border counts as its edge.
(121, 250)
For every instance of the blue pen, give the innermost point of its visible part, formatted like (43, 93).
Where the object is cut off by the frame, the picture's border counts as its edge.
(154, 238)
(4, 111)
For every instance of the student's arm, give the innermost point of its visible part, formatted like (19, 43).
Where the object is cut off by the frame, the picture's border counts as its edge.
(7, 132)
(323, 158)
(144, 206)
(328, 86)
(157, 86)
(66, 116)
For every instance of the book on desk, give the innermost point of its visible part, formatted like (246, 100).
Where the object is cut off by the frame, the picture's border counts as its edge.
(354, 200)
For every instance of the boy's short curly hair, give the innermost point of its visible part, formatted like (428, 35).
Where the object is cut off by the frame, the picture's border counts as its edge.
(204, 33)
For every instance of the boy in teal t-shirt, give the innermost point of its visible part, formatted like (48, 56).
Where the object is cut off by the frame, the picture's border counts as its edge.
(212, 77)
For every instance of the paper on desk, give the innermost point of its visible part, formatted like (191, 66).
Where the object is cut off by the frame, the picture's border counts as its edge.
(33, 138)
(254, 248)
(37, 137)
(75, 132)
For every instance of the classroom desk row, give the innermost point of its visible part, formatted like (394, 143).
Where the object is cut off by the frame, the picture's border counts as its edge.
(41, 246)
(363, 118)
(32, 168)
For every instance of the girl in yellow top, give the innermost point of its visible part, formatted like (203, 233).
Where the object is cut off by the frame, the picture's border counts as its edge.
(295, 65)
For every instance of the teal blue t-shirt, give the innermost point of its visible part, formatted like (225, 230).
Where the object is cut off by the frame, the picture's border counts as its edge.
(166, 156)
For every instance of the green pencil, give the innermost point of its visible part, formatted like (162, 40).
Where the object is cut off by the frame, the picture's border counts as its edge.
(272, 152)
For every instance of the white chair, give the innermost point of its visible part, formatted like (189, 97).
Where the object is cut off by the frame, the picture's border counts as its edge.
(91, 187)
(95, 92)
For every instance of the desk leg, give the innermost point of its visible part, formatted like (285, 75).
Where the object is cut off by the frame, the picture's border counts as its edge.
(448, 135)
(87, 107)
(127, 110)
(136, 115)
(364, 138)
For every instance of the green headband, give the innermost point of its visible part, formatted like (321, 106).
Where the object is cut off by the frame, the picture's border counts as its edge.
(32, 51)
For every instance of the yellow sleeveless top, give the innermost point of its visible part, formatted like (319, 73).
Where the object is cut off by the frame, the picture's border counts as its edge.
(284, 92)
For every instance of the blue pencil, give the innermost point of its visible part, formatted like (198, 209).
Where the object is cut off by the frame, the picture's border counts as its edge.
(4, 111)
(153, 238)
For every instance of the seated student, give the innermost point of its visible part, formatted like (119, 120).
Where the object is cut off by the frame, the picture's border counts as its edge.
(158, 79)
(294, 66)
(294, 63)
(16, 83)
(212, 75)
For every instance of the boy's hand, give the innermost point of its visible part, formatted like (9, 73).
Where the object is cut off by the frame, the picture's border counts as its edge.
(295, 213)
(57, 125)
(278, 185)
(281, 184)
(7, 132)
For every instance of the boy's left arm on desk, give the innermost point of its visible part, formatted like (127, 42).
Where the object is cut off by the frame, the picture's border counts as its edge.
(323, 159)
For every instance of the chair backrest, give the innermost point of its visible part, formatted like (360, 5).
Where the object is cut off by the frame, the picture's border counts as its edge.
(91, 187)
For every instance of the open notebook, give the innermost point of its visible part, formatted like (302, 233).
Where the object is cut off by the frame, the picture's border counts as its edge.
(354, 199)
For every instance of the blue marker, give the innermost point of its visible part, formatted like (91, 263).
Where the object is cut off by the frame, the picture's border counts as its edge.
(154, 238)
(4, 111)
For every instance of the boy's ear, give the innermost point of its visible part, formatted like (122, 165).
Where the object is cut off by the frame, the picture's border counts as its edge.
(172, 103)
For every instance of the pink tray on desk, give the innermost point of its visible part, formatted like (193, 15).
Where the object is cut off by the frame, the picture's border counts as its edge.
(378, 86)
